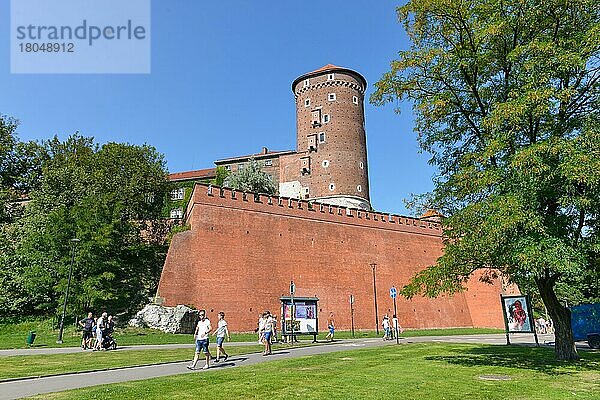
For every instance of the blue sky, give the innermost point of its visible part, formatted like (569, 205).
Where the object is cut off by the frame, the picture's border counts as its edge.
(220, 86)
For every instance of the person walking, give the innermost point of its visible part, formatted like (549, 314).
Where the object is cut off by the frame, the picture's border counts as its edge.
(87, 324)
(221, 332)
(100, 326)
(386, 327)
(261, 327)
(267, 332)
(201, 333)
(331, 327)
(397, 328)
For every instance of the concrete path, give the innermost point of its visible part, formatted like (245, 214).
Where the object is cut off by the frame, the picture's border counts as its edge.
(33, 386)
(489, 338)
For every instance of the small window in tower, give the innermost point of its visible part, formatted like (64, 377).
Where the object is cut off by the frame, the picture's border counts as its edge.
(321, 137)
(331, 187)
(330, 77)
(316, 117)
(331, 97)
(359, 188)
(362, 165)
(355, 99)
(306, 82)
(325, 163)
(307, 103)
(268, 163)
(326, 118)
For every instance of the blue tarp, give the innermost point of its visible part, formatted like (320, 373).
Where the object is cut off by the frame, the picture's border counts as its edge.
(585, 319)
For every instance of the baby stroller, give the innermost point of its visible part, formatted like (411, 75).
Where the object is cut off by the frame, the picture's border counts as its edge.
(108, 342)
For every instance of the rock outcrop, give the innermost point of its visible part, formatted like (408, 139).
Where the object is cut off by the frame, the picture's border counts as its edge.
(180, 319)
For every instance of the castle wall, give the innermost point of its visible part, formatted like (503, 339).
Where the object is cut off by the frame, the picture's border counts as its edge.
(242, 252)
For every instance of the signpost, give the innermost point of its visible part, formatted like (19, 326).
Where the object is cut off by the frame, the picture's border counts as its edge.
(293, 311)
(393, 295)
(352, 313)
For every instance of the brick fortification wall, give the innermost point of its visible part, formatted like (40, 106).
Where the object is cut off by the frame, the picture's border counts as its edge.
(242, 252)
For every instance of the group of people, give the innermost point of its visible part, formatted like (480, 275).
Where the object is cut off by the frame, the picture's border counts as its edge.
(267, 331)
(544, 326)
(97, 332)
(389, 331)
(202, 334)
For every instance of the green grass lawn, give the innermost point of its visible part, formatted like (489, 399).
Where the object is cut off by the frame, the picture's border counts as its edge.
(13, 335)
(414, 371)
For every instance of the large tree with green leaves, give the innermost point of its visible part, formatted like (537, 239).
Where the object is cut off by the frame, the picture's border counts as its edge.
(506, 101)
(110, 197)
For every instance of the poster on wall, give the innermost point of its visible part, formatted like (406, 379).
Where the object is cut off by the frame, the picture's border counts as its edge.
(517, 314)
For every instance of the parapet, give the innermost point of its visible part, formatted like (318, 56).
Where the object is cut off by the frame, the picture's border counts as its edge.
(209, 195)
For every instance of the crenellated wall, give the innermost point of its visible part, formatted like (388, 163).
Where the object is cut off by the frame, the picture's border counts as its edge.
(243, 250)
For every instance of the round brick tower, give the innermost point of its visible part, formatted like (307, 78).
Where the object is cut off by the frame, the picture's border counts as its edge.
(331, 140)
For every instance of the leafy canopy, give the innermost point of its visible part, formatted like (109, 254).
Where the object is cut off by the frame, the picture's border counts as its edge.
(251, 178)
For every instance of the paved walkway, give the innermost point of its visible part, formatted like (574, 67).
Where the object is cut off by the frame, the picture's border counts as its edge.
(33, 386)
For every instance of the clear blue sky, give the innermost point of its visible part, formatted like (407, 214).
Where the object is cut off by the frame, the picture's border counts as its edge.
(220, 86)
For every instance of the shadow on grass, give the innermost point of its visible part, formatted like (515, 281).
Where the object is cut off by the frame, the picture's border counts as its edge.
(520, 357)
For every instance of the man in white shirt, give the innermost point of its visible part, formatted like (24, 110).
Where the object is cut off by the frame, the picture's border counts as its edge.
(268, 331)
(201, 334)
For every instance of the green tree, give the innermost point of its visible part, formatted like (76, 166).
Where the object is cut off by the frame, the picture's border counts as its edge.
(221, 174)
(506, 102)
(251, 178)
(109, 197)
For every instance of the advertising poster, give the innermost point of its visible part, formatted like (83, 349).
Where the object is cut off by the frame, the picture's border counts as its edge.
(517, 314)
(305, 318)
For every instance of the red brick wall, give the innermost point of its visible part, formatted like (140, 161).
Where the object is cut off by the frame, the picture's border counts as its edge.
(240, 256)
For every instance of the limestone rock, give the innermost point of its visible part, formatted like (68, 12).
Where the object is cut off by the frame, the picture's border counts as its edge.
(180, 319)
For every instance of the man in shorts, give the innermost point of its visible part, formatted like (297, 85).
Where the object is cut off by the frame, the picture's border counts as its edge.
(331, 327)
(87, 324)
(267, 332)
(203, 329)
(220, 333)
(100, 326)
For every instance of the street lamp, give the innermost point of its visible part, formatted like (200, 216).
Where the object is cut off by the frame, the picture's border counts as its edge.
(62, 319)
(373, 265)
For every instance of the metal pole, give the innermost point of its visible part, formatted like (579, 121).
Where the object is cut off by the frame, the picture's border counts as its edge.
(62, 318)
(292, 311)
(373, 265)
(352, 313)
(397, 322)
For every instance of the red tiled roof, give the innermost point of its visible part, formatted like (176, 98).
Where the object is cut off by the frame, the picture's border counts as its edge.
(263, 154)
(431, 214)
(325, 68)
(196, 174)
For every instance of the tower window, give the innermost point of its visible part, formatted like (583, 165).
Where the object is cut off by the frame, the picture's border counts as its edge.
(355, 99)
(330, 77)
(306, 192)
(326, 118)
(321, 137)
(331, 187)
(307, 103)
(306, 82)
(362, 165)
(331, 97)
(359, 188)
(325, 163)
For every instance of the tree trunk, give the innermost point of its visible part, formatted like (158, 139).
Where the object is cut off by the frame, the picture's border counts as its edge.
(564, 347)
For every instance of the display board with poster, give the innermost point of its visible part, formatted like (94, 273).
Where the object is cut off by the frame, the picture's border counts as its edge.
(305, 319)
(518, 316)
